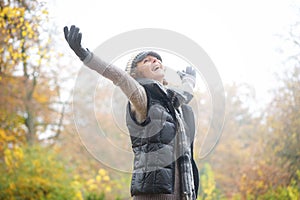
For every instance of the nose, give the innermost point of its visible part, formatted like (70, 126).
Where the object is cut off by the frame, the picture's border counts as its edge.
(154, 60)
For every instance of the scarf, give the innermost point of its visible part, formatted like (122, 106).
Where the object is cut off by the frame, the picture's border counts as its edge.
(184, 146)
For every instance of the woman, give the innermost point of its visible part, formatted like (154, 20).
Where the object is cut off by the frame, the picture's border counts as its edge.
(160, 123)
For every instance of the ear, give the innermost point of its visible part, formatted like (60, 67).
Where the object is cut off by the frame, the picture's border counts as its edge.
(135, 73)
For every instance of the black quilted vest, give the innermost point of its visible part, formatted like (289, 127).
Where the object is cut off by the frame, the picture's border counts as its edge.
(153, 142)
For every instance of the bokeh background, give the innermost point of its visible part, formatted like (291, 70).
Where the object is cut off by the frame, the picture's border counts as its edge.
(254, 45)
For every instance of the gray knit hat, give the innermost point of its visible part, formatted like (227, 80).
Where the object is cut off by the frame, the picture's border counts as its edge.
(138, 58)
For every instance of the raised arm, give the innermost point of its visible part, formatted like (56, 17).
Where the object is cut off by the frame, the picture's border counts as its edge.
(188, 78)
(131, 88)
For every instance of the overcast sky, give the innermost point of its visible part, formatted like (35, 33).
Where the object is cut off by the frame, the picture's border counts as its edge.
(239, 36)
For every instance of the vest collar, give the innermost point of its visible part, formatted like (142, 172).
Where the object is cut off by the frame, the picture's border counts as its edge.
(176, 96)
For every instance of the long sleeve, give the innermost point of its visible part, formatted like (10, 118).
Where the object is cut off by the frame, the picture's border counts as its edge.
(135, 93)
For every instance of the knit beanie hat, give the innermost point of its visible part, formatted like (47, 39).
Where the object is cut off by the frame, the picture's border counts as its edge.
(138, 58)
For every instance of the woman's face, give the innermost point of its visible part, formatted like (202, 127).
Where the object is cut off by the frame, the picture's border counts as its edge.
(152, 68)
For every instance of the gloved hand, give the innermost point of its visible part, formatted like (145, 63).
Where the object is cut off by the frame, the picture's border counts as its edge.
(73, 37)
(188, 76)
(189, 71)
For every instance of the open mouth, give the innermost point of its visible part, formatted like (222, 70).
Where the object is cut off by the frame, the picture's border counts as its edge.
(156, 68)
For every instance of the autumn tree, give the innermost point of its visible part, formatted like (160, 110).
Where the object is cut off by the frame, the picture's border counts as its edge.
(36, 173)
(29, 92)
(236, 149)
(258, 158)
(283, 115)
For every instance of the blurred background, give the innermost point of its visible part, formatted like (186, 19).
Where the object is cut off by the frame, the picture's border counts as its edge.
(254, 45)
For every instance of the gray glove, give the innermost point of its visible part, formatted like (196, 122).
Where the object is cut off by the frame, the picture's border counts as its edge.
(188, 77)
(189, 71)
(73, 37)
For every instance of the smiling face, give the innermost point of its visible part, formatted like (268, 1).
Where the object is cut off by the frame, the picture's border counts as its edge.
(152, 68)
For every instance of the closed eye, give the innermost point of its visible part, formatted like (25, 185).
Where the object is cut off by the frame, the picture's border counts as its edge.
(146, 60)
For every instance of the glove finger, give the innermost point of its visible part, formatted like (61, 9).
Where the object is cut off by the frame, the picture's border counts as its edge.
(70, 37)
(193, 71)
(72, 28)
(189, 69)
(66, 32)
(78, 40)
(74, 36)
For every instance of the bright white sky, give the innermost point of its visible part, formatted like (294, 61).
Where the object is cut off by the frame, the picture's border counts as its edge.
(239, 36)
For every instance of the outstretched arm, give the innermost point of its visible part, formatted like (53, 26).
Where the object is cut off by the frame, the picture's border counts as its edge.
(131, 88)
(188, 78)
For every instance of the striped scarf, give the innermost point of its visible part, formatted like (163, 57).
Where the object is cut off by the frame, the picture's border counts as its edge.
(184, 147)
(184, 150)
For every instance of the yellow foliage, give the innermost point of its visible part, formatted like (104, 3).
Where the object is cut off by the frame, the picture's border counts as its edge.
(208, 184)
(26, 181)
(101, 183)
(5, 138)
(36, 163)
(98, 178)
(76, 184)
(12, 158)
(106, 178)
(39, 97)
(259, 184)
(12, 186)
(78, 196)
(102, 172)
(45, 12)
(107, 189)
(24, 33)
